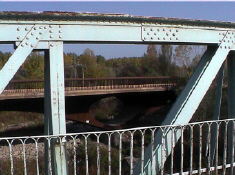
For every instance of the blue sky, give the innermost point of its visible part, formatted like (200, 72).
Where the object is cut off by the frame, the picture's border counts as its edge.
(219, 11)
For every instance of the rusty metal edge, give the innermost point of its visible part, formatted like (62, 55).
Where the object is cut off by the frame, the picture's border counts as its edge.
(81, 16)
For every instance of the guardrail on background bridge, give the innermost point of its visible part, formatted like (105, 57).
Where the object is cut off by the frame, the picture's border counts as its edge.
(95, 83)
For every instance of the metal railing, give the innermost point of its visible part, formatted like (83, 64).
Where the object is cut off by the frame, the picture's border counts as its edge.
(94, 83)
(203, 147)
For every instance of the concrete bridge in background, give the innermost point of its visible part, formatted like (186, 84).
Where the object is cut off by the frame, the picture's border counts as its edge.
(18, 89)
(138, 95)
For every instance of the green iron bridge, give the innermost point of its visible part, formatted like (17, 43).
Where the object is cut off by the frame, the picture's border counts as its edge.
(174, 147)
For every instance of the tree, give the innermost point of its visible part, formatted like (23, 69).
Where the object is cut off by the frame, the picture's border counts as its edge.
(165, 65)
(34, 65)
(151, 51)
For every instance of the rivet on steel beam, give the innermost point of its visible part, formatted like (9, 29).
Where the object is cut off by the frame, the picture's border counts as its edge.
(40, 33)
(59, 26)
(22, 45)
(166, 34)
(151, 38)
(221, 47)
(163, 38)
(60, 36)
(51, 45)
(170, 30)
(18, 37)
(32, 33)
(148, 33)
(173, 34)
(37, 38)
(45, 27)
(158, 38)
(35, 28)
(18, 29)
(144, 38)
(60, 31)
(40, 27)
(31, 45)
(155, 34)
(229, 47)
(51, 36)
(144, 29)
(170, 38)
(26, 28)
(151, 29)
(50, 26)
(51, 31)
(27, 37)
(26, 43)
(163, 29)
(220, 40)
(176, 30)
(158, 30)
(176, 38)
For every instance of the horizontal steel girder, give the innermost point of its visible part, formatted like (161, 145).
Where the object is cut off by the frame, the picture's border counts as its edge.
(124, 33)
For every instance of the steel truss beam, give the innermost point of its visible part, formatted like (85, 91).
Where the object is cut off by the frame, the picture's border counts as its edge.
(186, 104)
(32, 34)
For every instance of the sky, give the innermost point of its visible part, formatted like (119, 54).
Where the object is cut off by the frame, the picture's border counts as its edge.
(219, 11)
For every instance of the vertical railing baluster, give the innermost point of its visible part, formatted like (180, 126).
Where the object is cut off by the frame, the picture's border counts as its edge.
(131, 153)
(152, 150)
(182, 150)
(24, 157)
(142, 151)
(191, 149)
(225, 149)
(163, 129)
(86, 154)
(120, 153)
(109, 152)
(200, 150)
(98, 153)
(37, 157)
(209, 148)
(172, 148)
(215, 160)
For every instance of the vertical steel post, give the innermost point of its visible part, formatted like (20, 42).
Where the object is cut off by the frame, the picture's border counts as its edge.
(55, 106)
(216, 115)
(231, 108)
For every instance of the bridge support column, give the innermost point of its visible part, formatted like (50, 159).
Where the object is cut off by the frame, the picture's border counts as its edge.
(231, 107)
(212, 147)
(55, 109)
(184, 108)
